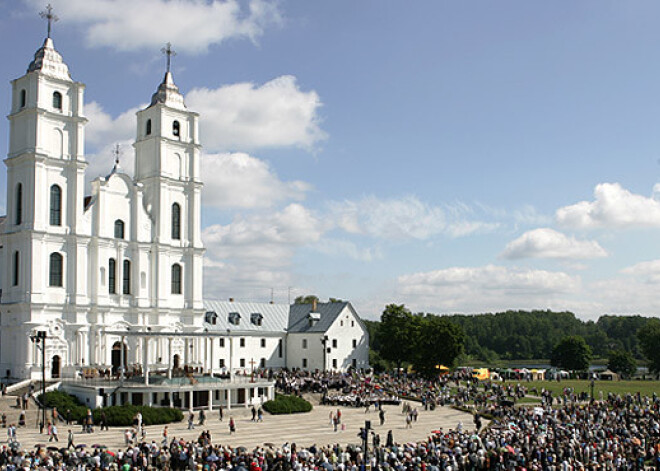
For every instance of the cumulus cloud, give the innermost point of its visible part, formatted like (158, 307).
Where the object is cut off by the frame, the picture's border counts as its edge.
(191, 25)
(486, 288)
(256, 252)
(613, 207)
(403, 218)
(242, 181)
(548, 243)
(244, 116)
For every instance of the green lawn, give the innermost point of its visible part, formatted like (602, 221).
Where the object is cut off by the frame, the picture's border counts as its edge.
(646, 388)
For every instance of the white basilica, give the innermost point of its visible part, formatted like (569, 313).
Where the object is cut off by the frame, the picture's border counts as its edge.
(114, 278)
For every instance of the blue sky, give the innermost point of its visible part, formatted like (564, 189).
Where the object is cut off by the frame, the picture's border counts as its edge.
(453, 156)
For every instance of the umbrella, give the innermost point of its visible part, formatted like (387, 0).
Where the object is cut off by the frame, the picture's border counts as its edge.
(82, 445)
(39, 445)
(510, 449)
(53, 448)
(241, 449)
(111, 453)
(437, 432)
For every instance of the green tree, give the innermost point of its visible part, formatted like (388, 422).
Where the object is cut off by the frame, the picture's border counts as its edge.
(439, 342)
(397, 334)
(622, 362)
(649, 341)
(572, 353)
(309, 299)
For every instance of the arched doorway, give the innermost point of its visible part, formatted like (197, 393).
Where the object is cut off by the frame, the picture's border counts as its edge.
(116, 356)
(56, 367)
(175, 361)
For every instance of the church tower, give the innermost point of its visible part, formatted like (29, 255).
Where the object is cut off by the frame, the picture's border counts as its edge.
(44, 263)
(167, 166)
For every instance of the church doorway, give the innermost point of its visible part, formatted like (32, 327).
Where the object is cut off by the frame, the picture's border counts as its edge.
(175, 361)
(56, 367)
(116, 356)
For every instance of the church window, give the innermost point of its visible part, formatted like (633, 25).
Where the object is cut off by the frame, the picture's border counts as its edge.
(263, 343)
(280, 348)
(176, 221)
(16, 268)
(222, 363)
(211, 318)
(234, 318)
(176, 128)
(55, 205)
(55, 270)
(19, 203)
(242, 362)
(57, 101)
(176, 279)
(23, 98)
(262, 363)
(256, 318)
(242, 342)
(304, 343)
(354, 343)
(112, 276)
(148, 130)
(304, 362)
(221, 343)
(334, 363)
(119, 229)
(126, 286)
(334, 343)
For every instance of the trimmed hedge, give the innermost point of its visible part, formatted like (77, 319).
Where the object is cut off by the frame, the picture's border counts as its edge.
(283, 404)
(115, 415)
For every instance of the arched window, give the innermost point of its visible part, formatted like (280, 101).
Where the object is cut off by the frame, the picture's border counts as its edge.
(19, 203)
(112, 276)
(148, 130)
(119, 229)
(55, 270)
(15, 269)
(176, 221)
(57, 101)
(176, 279)
(176, 128)
(23, 98)
(55, 206)
(126, 288)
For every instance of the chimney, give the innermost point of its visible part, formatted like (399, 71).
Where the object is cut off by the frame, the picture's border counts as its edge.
(314, 305)
(231, 300)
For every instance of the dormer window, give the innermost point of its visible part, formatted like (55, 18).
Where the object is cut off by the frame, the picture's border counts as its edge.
(23, 98)
(211, 318)
(148, 128)
(256, 318)
(234, 318)
(176, 128)
(57, 101)
(313, 318)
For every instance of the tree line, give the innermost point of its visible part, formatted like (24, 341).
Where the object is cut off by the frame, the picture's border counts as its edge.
(428, 340)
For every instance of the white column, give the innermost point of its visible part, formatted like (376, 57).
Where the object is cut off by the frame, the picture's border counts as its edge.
(205, 357)
(211, 400)
(190, 400)
(145, 359)
(228, 399)
(169, 359)
(212, 360)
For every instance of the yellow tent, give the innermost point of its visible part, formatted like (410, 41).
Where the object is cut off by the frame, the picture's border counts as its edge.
(482, 374)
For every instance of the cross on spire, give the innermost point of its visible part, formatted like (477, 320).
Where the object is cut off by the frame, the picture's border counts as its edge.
(169, 52)
(116, 153)
(50, 16)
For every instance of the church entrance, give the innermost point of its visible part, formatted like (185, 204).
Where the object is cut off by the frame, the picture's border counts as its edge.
(175, 361)
(116, 356)
(56, 367)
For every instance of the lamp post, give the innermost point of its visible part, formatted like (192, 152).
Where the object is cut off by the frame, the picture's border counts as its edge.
(39, 339)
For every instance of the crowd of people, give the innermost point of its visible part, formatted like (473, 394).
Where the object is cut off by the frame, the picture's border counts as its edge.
(564, 432)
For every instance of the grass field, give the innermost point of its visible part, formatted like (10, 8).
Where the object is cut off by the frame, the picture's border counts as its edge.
(646, 388)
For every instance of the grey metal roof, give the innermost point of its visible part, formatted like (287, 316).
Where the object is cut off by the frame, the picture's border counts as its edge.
(275, 316)
(299, 321)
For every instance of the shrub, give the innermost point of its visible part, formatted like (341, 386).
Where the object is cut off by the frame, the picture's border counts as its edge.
(114, 415)
(287, 405)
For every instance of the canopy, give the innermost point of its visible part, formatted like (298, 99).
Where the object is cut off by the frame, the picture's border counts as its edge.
(481, 374)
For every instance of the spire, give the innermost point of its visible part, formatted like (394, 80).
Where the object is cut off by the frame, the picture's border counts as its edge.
(168, 93)
(47, 60)
(116, 168)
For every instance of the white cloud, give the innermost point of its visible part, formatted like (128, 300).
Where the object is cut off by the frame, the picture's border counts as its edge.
(345, 247)
(191, 25)
(548, 243)
(242, 181)
(486, 288)
(613, 207)
(243, 116)
(403, 218)
(256, 252)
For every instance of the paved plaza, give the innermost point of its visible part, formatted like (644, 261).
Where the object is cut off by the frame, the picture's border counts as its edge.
(303, 429)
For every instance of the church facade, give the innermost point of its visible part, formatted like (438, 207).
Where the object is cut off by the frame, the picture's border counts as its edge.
(129, 256)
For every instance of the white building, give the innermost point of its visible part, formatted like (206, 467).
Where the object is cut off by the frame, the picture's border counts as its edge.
(128, 257)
